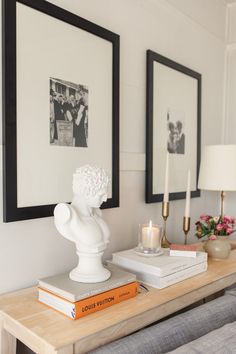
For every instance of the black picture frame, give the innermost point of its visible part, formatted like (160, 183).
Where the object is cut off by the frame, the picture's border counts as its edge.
(11, 212)
(152, 58)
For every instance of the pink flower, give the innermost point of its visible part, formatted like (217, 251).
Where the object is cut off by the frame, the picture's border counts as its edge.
(205, 217)
(228, 219)
(225, 226)
(212, 237)
(219, 227)
(212, 227)
(229, 230)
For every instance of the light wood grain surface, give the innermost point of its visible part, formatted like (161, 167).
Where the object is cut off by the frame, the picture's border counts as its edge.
(46, 331)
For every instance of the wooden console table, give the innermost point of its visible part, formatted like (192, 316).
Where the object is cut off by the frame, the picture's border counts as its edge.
(47, 332)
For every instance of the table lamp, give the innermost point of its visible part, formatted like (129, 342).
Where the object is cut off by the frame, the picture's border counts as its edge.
(218, 170)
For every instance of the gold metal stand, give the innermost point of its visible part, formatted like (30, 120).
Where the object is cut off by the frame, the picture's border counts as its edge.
(165, 213)
(186, 227)
(222, 203)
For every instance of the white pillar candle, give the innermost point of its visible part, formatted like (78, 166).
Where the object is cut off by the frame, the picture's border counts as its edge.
(166, 191)
(151, 236)
(188, 196)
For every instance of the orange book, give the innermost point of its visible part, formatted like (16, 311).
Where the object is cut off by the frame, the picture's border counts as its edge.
(89, 305)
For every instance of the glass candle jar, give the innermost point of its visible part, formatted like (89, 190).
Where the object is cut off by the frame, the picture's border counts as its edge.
(150, 238)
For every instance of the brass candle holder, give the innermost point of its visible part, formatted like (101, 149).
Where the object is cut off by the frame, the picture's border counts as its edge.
(186, 227)
(165, 213)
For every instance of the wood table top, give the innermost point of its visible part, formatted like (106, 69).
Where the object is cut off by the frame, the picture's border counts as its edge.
(24, 316)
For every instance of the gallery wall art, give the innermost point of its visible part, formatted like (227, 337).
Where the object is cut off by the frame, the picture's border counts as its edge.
(173, 127)
(60, 106)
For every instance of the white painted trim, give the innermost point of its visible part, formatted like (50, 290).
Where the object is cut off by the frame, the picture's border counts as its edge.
(231, 4)
(130, 161)
(231, 46)
(227, 24)
(225, 104)
(225, 81)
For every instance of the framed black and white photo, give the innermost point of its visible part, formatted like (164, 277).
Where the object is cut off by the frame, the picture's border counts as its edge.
(60, 106)
(173, 127)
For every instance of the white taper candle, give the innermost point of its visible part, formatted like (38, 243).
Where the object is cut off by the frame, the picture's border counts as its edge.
(188, 196)
(166, 191)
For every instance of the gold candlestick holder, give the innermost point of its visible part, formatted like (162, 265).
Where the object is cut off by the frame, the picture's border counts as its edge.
(165, 213)
(186, 227)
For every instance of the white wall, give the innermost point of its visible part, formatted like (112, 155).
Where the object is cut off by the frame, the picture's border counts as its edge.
(32, 249)
(230, 92)
(207, 13)
(231, 30)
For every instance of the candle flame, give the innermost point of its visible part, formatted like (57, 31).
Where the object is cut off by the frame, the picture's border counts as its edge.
(150, 224)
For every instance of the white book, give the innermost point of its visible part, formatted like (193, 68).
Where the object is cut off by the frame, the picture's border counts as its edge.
(163, 282)
(181, 253)
(161, 265)
(61, 285)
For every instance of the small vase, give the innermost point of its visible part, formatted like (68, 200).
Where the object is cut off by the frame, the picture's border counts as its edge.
(219, 248)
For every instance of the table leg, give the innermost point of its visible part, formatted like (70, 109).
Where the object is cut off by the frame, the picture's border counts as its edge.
(7, 340)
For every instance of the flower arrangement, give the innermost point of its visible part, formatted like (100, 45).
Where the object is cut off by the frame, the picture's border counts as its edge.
(212, 227)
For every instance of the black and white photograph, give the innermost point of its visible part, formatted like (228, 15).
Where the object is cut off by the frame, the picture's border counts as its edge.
(68, 113)
(175, 135)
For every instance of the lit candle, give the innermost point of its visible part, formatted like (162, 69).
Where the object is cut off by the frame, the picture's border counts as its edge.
(166, 192)
(151, 236)
(188, 196)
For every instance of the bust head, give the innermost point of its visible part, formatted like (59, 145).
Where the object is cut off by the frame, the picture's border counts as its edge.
(91, 183)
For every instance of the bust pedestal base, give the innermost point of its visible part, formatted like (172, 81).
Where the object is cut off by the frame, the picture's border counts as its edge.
(90, 269)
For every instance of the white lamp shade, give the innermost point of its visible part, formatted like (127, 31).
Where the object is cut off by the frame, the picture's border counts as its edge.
(218, 168)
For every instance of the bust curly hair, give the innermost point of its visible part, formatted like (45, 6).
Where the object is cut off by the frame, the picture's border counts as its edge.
(89, 180)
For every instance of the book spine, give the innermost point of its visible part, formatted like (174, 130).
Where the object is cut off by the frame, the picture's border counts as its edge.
(163, 282)
(134, 266)
(92, 304)
(196, 261)
(72, 298)
(180, 253)
(109, 298)
(106, 288)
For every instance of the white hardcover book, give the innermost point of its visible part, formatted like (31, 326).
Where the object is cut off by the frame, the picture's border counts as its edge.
(61, 285)
(163, 282)
(180, 253)
(66, 307)
(160, 266)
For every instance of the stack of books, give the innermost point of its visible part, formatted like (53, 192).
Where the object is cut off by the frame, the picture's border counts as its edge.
(76, 300)
(161, 271)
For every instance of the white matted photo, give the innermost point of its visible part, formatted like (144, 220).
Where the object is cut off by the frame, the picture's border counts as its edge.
(173, 127)
(62, 106)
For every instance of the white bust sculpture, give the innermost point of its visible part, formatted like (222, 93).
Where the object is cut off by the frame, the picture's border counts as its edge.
(82, 223)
